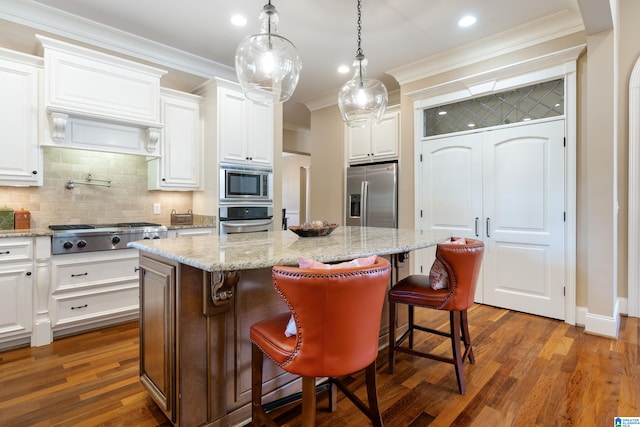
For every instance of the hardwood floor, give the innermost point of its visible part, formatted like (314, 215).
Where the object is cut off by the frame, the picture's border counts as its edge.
(529, 371)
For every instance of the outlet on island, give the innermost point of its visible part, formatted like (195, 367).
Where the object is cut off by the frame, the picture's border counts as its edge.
(156, 208)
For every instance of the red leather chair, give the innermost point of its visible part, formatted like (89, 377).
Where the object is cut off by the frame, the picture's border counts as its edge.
(462, 263)
(337, 314)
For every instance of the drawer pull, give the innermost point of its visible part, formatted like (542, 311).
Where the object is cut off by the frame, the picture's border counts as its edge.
(79, 307)
(5, 253)
(80, 275)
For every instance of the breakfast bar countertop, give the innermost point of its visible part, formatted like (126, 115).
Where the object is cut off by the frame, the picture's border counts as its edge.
(247, 251)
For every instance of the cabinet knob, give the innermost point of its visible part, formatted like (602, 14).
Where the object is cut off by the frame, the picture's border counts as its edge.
(34, 172)
(163, 180)
(28, 273)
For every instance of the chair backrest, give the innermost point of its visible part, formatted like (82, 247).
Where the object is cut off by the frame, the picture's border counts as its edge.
(337, 314)
(463, 266)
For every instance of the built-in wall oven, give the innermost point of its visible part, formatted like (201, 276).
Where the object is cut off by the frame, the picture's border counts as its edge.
(245, 184)
(245, 219)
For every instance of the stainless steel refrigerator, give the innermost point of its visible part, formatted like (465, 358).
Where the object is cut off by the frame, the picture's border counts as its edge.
(372, 195)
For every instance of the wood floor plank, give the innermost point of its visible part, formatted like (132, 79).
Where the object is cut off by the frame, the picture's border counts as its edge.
(529, 371)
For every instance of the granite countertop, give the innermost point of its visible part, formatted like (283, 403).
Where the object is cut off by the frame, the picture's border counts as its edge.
(183, 226)
(245, 251)
(28, 232)
(199, 221)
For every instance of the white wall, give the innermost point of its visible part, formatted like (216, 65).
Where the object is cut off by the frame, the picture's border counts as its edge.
(291, 199)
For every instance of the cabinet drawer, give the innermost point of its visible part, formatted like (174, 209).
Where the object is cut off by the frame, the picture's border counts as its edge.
(18, 249)
(88, 270)
(72, 309)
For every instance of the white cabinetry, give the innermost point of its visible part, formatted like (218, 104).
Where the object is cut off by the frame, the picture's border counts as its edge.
(93, 289)
(16, 288)
(190, 232)
(373, 143)
(100, 102)
(180, 164)
(245, 129)
(21, 160)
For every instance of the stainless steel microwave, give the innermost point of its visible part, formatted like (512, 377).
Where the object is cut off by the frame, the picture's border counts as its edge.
(245, 183)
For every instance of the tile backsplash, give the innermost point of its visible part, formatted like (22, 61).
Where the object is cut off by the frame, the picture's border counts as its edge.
(126, 200)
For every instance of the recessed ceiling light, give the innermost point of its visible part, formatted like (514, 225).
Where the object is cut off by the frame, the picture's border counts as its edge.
(471, 125)
(467, 21)
(343, 69)
(239, 20)
(442, 113)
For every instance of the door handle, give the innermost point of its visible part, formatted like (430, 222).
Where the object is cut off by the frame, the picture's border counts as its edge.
(364, 200)
(477, 227)
(488, 226)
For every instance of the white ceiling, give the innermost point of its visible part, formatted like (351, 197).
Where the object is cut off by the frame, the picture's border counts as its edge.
(394, 32)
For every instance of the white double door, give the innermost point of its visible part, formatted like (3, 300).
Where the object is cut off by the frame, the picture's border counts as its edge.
(506, 187)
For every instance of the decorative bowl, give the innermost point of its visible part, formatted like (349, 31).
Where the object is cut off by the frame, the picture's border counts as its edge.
(313, 232)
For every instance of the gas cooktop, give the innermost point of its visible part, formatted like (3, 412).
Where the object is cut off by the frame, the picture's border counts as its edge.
(78, 238)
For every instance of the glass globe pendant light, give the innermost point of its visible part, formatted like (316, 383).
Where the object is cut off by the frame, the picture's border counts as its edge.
(267, 64)
(362, 100)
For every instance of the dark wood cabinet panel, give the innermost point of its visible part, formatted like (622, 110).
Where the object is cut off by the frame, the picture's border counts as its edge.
(157, 322)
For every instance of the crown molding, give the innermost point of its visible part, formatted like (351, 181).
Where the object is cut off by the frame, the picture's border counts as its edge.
(64, 24)
(541, 68)
(527, 35)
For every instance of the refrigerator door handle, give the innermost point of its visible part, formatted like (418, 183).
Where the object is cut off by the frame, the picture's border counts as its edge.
(364, 203)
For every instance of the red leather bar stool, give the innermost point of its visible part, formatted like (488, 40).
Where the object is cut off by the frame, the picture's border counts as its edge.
(450, 286)
(337, 317)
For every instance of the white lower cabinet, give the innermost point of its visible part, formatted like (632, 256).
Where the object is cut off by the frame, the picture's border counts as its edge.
(190, 232)
(16, 289)
(93, 289)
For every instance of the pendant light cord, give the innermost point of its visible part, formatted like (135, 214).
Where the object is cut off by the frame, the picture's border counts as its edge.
(359, 51)
(269, 9)
(359, 54)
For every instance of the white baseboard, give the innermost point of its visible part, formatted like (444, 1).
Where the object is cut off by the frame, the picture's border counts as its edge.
(601, 325)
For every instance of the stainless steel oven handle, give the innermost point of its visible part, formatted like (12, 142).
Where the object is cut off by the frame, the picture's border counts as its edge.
(250, 223)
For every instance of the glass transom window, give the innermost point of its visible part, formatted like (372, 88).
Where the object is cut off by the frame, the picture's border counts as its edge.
(534, 102)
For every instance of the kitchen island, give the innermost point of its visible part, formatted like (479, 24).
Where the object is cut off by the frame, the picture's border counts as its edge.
(200, 295)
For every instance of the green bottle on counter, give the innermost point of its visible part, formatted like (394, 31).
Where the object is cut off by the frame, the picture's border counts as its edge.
(6, 218)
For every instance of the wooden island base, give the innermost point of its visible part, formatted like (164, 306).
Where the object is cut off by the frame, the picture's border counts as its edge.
(195, 357)
(200, 295)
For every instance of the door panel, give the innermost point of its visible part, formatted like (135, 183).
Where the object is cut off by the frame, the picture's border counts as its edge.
(512, 181)
(452, 183)
(523, 207)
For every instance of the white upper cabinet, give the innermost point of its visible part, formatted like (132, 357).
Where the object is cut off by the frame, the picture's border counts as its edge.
(21, 159)
(374, 143)
(97, 101)
(180, 164)
(245, 129)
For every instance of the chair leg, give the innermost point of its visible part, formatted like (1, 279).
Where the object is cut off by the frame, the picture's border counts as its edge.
(257, 413)
(410, 326)
(392, 334)
(332, 397)
(308, 401)
(466, 337)
(372, 394)
(454, 319)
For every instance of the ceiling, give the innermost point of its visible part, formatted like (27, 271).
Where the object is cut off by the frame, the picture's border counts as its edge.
(394, 32)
